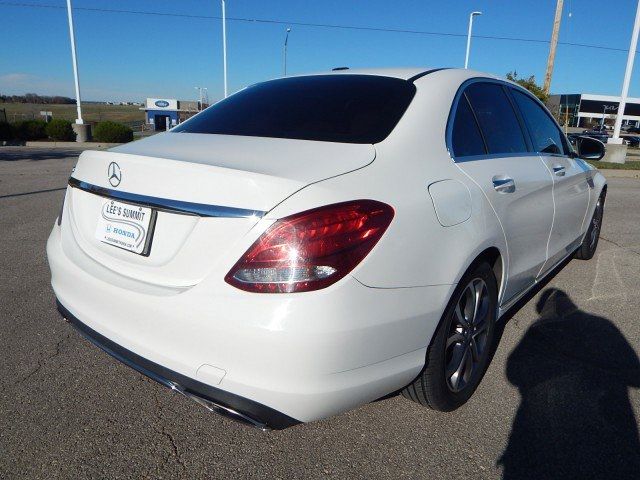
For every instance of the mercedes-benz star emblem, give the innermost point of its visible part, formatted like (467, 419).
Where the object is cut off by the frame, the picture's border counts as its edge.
(114, 174)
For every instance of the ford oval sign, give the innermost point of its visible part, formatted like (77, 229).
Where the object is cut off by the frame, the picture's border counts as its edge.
(162, 103)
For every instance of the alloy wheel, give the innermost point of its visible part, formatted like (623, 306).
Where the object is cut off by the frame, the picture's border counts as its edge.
(467, 341)
(596, 223)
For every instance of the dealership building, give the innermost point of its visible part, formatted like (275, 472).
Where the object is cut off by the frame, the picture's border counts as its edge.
(587, 110)
(163, 113)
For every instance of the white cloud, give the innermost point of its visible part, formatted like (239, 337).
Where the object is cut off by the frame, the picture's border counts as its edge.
(15, 79)
(20, 83)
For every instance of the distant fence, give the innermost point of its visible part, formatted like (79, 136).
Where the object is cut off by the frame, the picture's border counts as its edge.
(16, 117)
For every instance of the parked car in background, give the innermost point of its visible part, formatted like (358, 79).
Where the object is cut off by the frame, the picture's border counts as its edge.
(313, 243)
(601, 135)
(572, 137)
(632, 141)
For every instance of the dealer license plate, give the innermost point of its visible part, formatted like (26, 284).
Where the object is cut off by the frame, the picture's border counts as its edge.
(126, 226)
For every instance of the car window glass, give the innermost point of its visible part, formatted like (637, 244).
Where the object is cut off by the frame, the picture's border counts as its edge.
(466, 138)
(497, 118)
(545, 135)
(329, 108)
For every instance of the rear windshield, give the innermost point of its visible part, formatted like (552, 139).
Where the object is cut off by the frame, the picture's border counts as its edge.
(329, 108)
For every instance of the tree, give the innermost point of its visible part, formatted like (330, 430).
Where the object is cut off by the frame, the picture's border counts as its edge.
(35, 98)
(530, 84)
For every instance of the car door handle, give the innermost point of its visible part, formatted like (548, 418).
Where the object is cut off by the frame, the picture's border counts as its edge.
(503, 184)
(559, 170)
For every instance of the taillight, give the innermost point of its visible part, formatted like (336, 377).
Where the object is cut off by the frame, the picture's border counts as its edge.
(313, 249)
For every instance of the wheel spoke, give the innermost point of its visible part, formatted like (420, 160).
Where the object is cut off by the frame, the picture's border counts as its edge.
(457, 373)
(455, 338)
(460, 315)
(457, 354)
(473, 346)
(468, 366)
(478, 292)
(480, 328)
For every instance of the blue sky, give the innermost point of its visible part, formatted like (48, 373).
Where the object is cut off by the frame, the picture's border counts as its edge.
(129, 57)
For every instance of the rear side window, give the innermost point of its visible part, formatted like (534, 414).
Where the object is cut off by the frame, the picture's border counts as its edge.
(497, 119)
(329, 108)
(545, 134)
(466, 138)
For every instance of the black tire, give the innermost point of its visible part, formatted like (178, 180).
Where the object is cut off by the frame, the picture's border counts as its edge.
(434, 387)
(587, 249)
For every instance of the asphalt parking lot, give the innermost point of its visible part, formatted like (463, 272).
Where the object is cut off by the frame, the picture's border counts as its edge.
(561, 398)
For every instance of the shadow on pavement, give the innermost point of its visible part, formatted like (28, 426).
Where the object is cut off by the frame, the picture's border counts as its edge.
(12, 154)
(11, 195)
(575, 419)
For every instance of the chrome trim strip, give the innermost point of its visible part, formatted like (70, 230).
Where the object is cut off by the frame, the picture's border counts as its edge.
(494, 156)
(168, 205)
(498, 182)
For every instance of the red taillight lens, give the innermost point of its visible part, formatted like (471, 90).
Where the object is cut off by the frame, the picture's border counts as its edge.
(312, 249)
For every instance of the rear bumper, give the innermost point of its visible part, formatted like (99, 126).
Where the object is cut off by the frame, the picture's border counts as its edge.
(303, 356)
(219, 401)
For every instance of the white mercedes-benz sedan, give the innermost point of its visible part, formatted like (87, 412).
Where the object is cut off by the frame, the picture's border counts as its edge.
(313, 243)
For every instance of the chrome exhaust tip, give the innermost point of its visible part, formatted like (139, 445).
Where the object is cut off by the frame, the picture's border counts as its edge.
(216, 407)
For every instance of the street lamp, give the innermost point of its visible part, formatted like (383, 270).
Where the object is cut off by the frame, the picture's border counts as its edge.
(199, 89)
(286, 41)
(466, 57)
(205, 97)
(224, 46)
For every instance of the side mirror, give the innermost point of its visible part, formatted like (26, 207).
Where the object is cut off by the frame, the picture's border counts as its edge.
(589, 148)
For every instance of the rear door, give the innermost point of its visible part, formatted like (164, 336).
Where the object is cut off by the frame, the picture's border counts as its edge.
(570, 182)
(488, 143)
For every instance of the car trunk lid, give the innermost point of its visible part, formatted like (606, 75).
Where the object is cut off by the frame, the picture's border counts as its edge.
(208, 191)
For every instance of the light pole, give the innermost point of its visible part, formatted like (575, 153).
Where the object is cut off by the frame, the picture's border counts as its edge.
(286, 40)
(466, 57)
(627, 78)
(199, 97)
(75, 63)
(203, 94)
(224, 46)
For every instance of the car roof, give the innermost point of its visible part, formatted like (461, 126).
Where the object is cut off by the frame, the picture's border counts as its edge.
(409, 73)
(403, 73)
